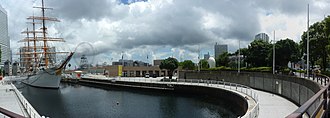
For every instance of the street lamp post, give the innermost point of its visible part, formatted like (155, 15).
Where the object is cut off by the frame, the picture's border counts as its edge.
(239, 56)
(199, 61)
(274, 53)
(308, 40)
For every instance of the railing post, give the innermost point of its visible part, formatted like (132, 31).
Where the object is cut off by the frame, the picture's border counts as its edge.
(326, 104)
(224, 84)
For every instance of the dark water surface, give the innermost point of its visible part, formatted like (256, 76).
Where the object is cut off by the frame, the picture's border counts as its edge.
(77, 101)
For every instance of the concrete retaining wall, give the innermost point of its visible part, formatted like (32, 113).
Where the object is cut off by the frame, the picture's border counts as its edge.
(295, 89)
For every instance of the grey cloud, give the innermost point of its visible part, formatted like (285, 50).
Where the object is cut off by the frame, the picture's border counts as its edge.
(289, 7)
(81, 9)
(180, 24)
(172, 25)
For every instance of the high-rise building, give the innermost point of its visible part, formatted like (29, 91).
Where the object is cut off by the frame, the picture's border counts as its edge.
(219, 49)
(262, 36)
(207, 56)
(4, 38)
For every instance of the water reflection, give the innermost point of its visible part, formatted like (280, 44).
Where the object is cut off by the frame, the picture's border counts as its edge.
(73, 100)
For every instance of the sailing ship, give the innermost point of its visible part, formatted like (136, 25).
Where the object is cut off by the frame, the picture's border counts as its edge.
(37, 57)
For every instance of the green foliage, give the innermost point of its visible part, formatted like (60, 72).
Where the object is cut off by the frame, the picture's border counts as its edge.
(223, 60)
(327, 73)
(169, 64)
(187, 65)
(286, 50)
(256, 69)
(300, 71)
(221, 68)
(244, 52)
(258, 53)
(204, 64)
(326, 22)
(319, 42)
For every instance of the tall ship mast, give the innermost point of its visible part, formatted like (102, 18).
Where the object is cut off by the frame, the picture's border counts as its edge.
(37, 53)
(37, 57)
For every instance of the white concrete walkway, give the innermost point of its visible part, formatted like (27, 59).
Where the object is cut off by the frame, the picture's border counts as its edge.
(274, 106)
(9, 101)
(12, 100)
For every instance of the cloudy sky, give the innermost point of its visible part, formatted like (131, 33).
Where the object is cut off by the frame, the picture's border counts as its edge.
(163, 28)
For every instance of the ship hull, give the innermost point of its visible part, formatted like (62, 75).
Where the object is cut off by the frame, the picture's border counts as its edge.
(44, 79)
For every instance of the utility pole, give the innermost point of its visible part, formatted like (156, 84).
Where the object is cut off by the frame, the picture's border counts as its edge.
(274, 53)
(239, 56)
(122, 58)
(199, 61)
(308, 40)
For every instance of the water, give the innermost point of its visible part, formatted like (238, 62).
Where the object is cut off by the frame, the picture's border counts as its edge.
(77, 101)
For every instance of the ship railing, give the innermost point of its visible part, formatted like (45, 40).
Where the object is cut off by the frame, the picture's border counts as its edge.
(27, 106)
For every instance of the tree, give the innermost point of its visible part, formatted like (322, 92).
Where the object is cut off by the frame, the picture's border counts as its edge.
(318, 42)
(223, 59)
(187, 65)
(244, 52)
(258, 53)
(204, 64)
(326, 22)
(169, 64)
(286, 50)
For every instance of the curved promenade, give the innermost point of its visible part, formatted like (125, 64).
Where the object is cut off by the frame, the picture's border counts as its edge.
(274, 106)
(260, 104)
(270, 105)
(309, 94)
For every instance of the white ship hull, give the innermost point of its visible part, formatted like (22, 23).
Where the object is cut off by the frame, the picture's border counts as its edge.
(44, 79)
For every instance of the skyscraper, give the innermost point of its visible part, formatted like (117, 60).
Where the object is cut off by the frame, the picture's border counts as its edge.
(207, 56)
(4, 38)
(219, 49)
(262, 36)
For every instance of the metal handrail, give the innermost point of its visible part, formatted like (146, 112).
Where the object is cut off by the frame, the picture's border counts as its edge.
(30, 110)
(10, 113)
(321, 108)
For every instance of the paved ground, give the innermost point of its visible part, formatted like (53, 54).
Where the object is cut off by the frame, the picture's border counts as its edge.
(274, 106)
(9, 101)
